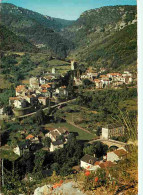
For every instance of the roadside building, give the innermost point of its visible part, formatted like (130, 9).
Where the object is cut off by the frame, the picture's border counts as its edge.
(43, 100)
(12, 99)
(112, 130)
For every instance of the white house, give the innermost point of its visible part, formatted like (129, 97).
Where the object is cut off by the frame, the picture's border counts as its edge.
(42, 80)
(73, 65)
(116, 155)
(1, 111)
(88, 162)
(92, 75)
(17, 150)
(56, 145)
(54, 134)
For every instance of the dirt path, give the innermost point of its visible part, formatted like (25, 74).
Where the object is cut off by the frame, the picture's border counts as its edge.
(73, 124)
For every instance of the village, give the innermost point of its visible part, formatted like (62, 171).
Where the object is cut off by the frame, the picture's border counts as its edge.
(48, 91)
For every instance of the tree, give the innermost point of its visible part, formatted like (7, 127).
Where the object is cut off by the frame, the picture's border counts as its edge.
(65, 170)
(55, 167)
(47, 142)
(87, 83)
(38, 161)
(40, 117)
(98, 132)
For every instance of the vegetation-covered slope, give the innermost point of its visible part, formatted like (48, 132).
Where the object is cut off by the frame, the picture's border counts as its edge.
(37, 28)
(105, 37)
(9, 41)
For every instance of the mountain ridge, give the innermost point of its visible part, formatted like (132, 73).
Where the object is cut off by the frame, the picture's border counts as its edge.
(84, 39)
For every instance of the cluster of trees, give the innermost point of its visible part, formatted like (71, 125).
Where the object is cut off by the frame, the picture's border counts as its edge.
(11, 42)
(106, 101)
(97, 148)
(4, 97)
(13, 71)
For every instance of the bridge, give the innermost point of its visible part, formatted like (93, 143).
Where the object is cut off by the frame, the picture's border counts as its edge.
(110, 142)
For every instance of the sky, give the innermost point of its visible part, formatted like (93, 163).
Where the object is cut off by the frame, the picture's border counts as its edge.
(66, 9)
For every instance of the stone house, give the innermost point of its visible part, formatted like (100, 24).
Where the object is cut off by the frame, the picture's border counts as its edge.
(127, 73)
(12, 99)
(21, 103)
(113, 76)
(98, 83)
(106, 82)
(34, 83)
(112, 130)
(116, 155)
(77, 82)
(20, 90)
(62, 91)
(92, 75)
(43, 100)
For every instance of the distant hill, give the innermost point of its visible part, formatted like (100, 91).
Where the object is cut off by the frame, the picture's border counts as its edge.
(105, 37)
(10, 42)
(40, 30)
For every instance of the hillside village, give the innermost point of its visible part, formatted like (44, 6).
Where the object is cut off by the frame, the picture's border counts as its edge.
(47, 89)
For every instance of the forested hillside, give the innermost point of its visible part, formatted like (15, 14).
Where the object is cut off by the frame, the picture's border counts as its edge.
(105, 37)
(10, 42)
(40, 30)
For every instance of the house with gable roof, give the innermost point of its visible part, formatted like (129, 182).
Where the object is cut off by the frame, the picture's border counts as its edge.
(116, 155)
(88, 162)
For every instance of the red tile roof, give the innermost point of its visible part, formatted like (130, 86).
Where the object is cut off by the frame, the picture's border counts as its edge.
(103, 76)
(42, 98)
(14, 98)
(120, 152)
(97, 80)
(30, 136)
(44, 91)
(63, 87)
(114, 74)
(19, 88)
(107, 164)
(45, 86)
